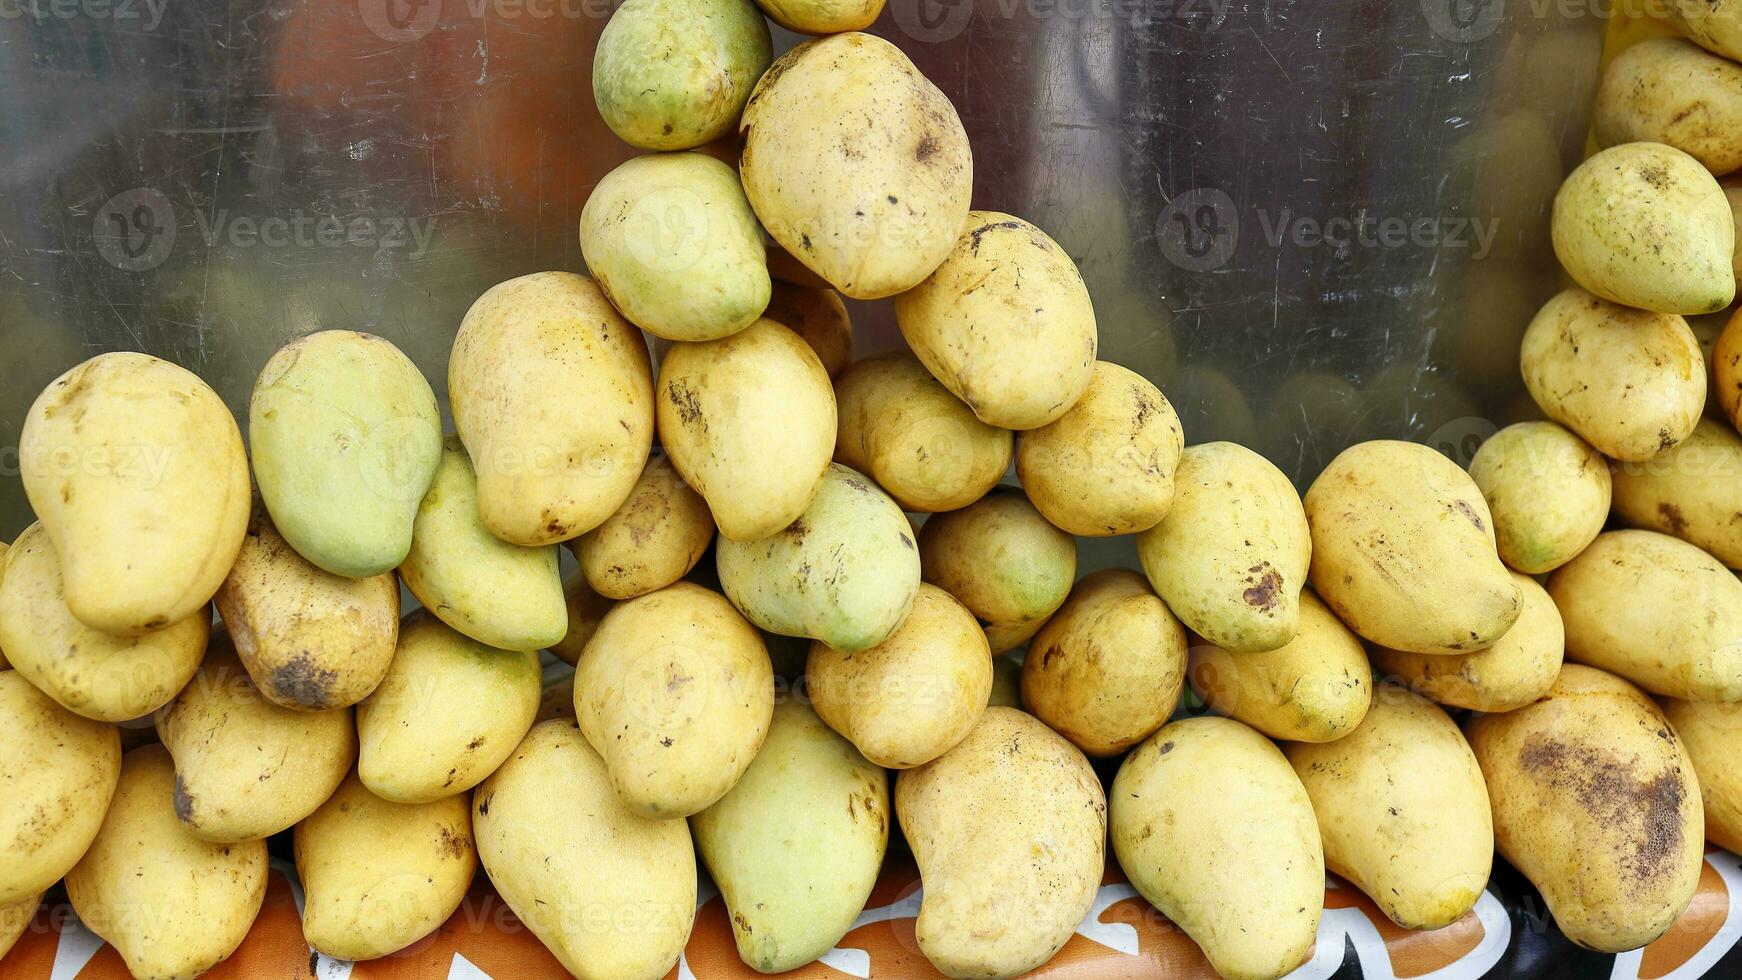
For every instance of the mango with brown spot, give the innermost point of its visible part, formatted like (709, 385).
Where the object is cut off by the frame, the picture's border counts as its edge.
(1314, 688)
(1106, 670)
(653, 540)
(1519, 668)
(311, 640)
(1231, 556)
(1693, 491)
(1005, 323)
(246, 768)
(1595, 800)
(674, 693)
(1646, 225)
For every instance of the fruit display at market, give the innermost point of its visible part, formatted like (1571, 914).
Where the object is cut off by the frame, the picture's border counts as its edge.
(689, 601)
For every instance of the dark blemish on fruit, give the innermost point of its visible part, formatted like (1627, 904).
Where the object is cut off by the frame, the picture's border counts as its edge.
(1265, 592)
(1672, 518)
(1470, 514)
(689, 407)
(184, 802)
(1648, 812)
(302, 682)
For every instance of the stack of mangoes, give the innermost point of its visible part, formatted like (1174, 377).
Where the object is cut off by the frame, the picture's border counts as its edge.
(1381, 667)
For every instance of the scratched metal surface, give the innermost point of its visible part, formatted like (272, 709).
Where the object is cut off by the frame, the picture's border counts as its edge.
(207, 180)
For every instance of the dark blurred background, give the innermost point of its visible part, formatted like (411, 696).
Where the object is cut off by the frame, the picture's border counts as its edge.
(1310, 221)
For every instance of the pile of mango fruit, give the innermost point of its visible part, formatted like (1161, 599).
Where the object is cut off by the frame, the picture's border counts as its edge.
(798, 574)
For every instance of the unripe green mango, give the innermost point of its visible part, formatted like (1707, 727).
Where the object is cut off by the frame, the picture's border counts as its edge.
(796, 845)
(345, 437)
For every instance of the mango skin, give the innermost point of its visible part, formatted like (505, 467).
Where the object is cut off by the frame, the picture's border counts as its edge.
(822, 16)
(1002, 560)
(671, 75)
(1231, 556)
(1005, 323)
(1009, 829)
(345, 436)
(502, 595)
(921, 444)
(817, 314)
(1314, 688)
(1106, 466)
(1538, 531)
(1712, 734)
(1403, 550)
(674, 691)
(311, 640)
(1645, 225)
(4, 547)
(845, 572)
(1630, 382)
(796, 845)
(653, 540)
(909, 699)
(749, 422)
(1212, 786)
(103, 677)
(1596, 802)
(1652, 638)
(1402, 809)
(552, 394)
(448, 712)
(876, 221)
(378, 876)
(1519, 668)
(136, 470)
(1107, 669)
(57, 764)
(702, 274)
(1693, 491)
(171, 904)
(610, 892)
(246, 768)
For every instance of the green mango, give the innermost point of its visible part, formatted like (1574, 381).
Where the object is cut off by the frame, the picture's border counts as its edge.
(502, 595)
(846, 572)
(345, 436)
(795, 846)
(674, 74)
